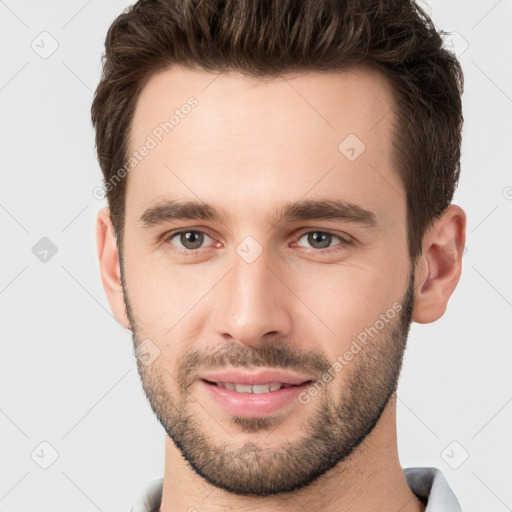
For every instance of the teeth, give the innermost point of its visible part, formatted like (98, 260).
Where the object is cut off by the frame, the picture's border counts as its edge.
(261, 388)
(243, 388)
(246, 388)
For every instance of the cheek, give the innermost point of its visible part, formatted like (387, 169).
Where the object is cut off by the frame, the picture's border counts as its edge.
(166, 298)
(340, 303)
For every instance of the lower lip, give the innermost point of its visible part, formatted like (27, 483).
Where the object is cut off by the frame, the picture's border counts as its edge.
(253, 404)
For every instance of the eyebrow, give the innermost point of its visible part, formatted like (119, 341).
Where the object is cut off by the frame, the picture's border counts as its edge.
(319, 209)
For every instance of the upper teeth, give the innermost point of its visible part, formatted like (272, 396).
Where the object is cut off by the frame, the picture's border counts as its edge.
(247, 388)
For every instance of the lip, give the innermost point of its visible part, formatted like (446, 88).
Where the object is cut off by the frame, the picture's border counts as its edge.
(265, 376)
(252, 404)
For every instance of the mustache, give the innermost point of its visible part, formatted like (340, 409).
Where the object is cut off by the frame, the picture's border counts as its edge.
(271, 354)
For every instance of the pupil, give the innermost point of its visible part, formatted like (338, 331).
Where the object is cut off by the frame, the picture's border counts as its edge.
(187, 239)
(325, 239)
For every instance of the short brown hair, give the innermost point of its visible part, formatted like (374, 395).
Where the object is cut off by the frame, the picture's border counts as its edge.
(270, 37)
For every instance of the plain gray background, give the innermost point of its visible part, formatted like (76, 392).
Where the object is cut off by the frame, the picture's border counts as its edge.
(68, 373)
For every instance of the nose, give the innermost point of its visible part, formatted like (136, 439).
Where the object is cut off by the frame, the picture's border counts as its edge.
(252, 302)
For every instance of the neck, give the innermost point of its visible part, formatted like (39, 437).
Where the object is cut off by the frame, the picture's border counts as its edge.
(370, 479)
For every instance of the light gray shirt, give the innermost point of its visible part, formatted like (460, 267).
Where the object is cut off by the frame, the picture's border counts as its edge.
(428, 484)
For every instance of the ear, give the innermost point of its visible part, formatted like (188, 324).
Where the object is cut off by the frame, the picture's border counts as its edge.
(110, 268)
(439, 266)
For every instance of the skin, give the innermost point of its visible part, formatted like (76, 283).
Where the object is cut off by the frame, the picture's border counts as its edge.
(249, 146)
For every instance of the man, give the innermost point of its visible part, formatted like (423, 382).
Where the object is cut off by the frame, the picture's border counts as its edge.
(279, 177)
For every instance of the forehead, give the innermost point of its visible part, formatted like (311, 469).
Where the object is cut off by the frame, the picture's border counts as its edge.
(356, 98)
(272, 137)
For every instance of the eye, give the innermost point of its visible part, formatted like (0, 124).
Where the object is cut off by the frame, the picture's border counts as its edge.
(191, 241)
(321, 241)
(187, 240)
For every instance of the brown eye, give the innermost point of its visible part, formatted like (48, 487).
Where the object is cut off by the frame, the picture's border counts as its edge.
(189, 240)
(323, 241)
(319, 240)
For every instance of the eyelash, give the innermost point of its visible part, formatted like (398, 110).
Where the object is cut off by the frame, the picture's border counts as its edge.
(344, 242)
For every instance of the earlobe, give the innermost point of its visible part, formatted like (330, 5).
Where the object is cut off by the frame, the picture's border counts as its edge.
(440, 265)
(110, 269)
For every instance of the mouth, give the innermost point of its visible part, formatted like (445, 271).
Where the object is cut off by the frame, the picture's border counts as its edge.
(256, 388)
(264, 396)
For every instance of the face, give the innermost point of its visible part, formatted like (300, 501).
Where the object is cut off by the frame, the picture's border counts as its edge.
(265, 230)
